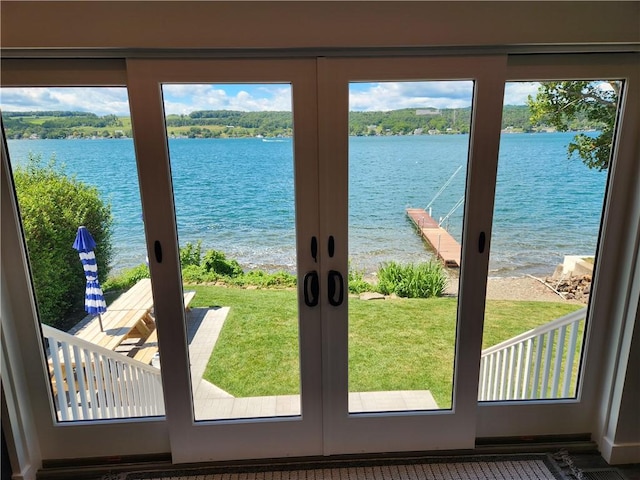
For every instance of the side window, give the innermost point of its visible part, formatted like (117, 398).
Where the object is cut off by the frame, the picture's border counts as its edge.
(75, 176)
(553, 170)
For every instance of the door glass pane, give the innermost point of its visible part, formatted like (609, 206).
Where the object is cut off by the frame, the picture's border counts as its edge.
(552, 175)
(408, 154)
(74, 166)
(231, 151)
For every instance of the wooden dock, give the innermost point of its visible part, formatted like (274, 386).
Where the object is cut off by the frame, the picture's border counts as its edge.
(445, 246)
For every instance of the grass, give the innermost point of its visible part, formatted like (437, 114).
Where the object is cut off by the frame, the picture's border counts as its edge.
(257, 351)
(395, 344)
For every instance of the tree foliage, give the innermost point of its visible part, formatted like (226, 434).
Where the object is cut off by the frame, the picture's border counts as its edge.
(53, 205)
(560, 103)
(409, 121)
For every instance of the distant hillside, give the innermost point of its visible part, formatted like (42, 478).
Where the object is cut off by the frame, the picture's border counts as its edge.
(57, 124)
(227, 123)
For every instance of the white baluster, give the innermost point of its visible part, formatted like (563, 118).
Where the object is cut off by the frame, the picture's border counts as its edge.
(573, 340)
(71, 382)
(57, 373)
(82, 387)
(503, 373)
(516, 382)
(91, 384)
(526, 381)
(547, 363)
(510, 353)
(557, 369)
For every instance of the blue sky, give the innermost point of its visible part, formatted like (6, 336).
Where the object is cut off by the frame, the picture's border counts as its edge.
(183, 99)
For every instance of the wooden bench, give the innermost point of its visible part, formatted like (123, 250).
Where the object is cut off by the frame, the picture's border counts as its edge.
(188, 296)
(149, 348)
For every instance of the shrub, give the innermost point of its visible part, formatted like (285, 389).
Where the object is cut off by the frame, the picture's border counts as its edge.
(214, 266)
(413, 281)
(127, 279)
(196, 274)
(190, 254)
(53, 205)
(217, 262)
(281, 279)
(263, 279)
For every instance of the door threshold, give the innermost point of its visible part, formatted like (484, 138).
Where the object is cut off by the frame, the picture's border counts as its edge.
(99, 466)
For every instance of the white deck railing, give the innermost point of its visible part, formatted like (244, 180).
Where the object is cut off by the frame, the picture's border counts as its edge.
(91, 382)
(537, 364)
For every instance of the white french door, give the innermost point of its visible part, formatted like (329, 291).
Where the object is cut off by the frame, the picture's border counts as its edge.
(326, 422)
(331, 409)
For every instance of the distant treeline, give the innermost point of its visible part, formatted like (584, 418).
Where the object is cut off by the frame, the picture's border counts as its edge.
(227, 123)
(231, 123)
(56, 124)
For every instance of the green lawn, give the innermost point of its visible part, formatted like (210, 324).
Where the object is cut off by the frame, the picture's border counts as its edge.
(399, 344)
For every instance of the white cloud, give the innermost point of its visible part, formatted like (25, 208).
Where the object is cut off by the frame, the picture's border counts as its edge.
(516, 93)
(395, 95)
(236, 97)
(183, 99)
(438, 94)
(179, 99)
(102, 101)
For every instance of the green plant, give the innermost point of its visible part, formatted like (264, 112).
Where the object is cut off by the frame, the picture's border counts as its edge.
(127, 279)
(357, 283)
(190, 254)
(52, 206)
(423, 280)
(214, 266)
(260, 278)
(216, 262)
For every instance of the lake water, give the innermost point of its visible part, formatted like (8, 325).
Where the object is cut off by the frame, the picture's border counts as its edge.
(236, 195)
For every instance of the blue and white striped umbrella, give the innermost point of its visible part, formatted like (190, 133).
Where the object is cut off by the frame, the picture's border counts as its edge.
(94, 298)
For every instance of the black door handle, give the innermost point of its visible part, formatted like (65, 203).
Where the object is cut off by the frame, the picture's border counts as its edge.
(331, 246)
(157, 249)
(314, 249)
(334, 278)
(311, 285)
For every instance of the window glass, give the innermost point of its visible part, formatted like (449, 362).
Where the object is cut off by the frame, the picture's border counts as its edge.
(232, 165)
(555, 150)
(408, 152)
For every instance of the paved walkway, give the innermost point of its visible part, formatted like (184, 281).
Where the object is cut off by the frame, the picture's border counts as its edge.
(213, 403)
